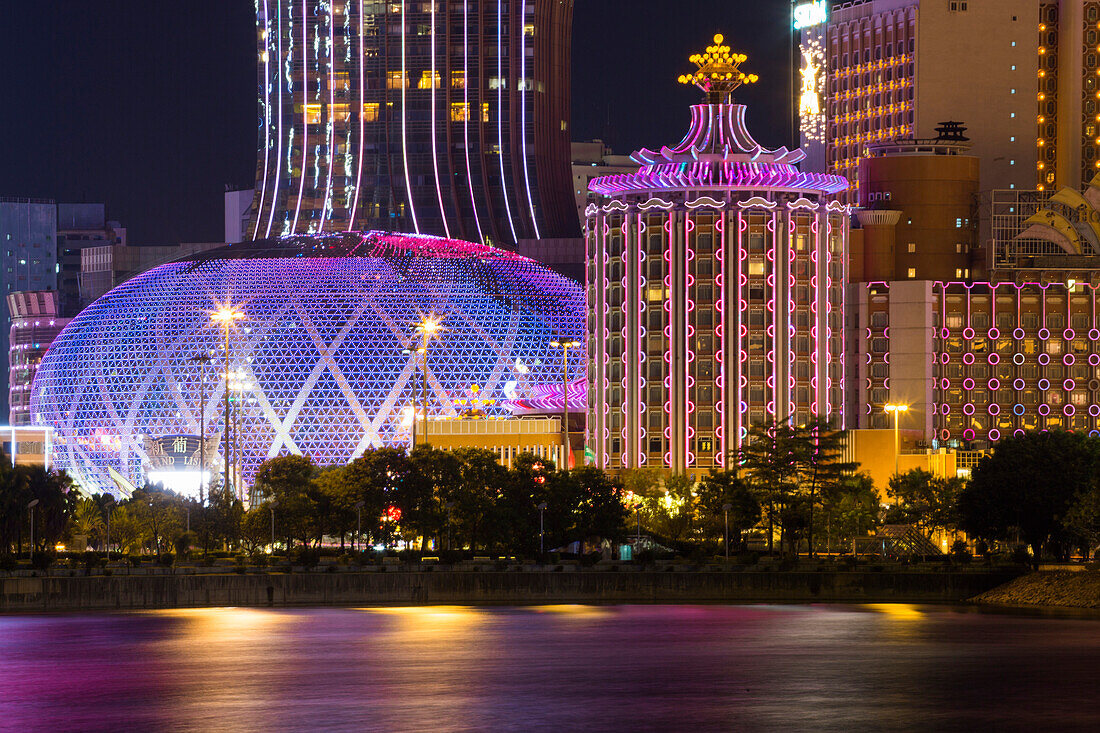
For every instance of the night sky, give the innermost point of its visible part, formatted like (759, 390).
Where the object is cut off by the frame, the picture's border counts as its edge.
(150, 107)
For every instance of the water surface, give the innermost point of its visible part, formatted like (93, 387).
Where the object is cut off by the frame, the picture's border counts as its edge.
(554, 668)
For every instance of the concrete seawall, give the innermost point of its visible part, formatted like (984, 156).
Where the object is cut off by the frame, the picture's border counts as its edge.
(120, 592)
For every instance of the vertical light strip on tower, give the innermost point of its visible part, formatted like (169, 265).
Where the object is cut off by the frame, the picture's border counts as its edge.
(523, 116)
(305, 115)
(435, 153)
(267, 116)
(404, 123)
(466, 117)
(361, 104)
(500, 117)
(329, 119)
(279, 129)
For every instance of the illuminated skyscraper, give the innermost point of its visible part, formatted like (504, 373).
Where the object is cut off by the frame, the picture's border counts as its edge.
(715, 290)
(447, 117)
(875, 71)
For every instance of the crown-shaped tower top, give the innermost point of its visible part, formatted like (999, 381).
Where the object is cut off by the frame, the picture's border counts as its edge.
(718, 72)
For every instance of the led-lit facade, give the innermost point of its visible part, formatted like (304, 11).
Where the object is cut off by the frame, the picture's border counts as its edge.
(317, 363)
(977, 362)
(714, 279)
(899, 68)
(447, 117)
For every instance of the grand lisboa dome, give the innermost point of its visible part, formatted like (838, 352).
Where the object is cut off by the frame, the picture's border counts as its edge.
(323, 362)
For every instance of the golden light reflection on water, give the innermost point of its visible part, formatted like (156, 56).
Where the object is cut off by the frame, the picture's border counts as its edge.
(572, 609)
(899, 611)
(216, 625)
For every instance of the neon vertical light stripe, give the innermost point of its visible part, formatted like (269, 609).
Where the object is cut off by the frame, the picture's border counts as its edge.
(362, 125)
(330, 124)
(279, 133)
(466, 102)
(404, 123)
(435, 154)
(267, 117)
(523, 119)
(305, 116)
(500, 116)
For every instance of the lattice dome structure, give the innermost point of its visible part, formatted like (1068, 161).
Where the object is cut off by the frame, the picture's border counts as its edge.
(319, 363)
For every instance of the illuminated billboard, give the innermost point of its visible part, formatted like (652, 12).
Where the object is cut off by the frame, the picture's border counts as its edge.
(807, 15)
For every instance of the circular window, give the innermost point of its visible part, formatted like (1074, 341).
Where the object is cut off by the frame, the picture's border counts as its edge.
(1018, 333)
(994, 359)
(1069, 385)
(946, 410)
(1044, 409)
(1094, 410)
(945, 434)
(968, 409)
(1017, 359)
(1018, 384)
(994, 333)
(968, 333)
(1018, 409)
(1068, 334)
(968, 434)
(968, 358)
(1068, 359)
(1069, 410)
(1044, 359)
(994, 409)
(994, 434)
(945, 333)
(1044, 384)
(968, 383)
(1094, 335)
(994, 383)
(1044, 333)
(1094, 359)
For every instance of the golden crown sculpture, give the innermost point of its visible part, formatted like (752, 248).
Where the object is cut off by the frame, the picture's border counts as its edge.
(718, 73)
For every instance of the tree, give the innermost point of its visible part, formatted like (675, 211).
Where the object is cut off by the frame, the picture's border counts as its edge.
(1026, 486)
(819, 457)
(86, 520)
(475, 497)
(670, 508)
(424, 494)
(769, 459)
(374, 478)
(57, 498)
(595, 501)
(924, 500)
(1083, 519)
(718, 489)
(160, 514)
(288, 480)
(850, 509)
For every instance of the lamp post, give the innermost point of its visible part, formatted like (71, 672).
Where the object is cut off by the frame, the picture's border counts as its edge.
(359, 520)
(542, 527)
(271, 506)
(449, 505)
(565, 346)
(897, 410)
(202, 359)
(30, 506)
(726, 536)
(428, 327)
(108, 506)
(227, 315)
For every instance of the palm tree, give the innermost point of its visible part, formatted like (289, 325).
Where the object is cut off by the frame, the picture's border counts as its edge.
(86, 520)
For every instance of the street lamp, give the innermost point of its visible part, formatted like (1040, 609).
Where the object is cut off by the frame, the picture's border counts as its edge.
(726, 508)
(428, 327)
(271, 506)
(227, 316)
(359, 518)
(30, 506)
(203, 360)
(897, 410)
(565, 346)
(542, 527)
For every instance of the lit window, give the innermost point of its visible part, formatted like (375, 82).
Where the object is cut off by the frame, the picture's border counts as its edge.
(313, 113)
(458, 79)
(340, 112)
(396, 80)
(460, 112)
(912, 273)
(958, 272)
(912, 247)
(484, 111)
(426, 80)
(370, 112)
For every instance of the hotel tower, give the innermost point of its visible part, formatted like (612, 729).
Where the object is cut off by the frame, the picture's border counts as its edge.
(447, 117)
